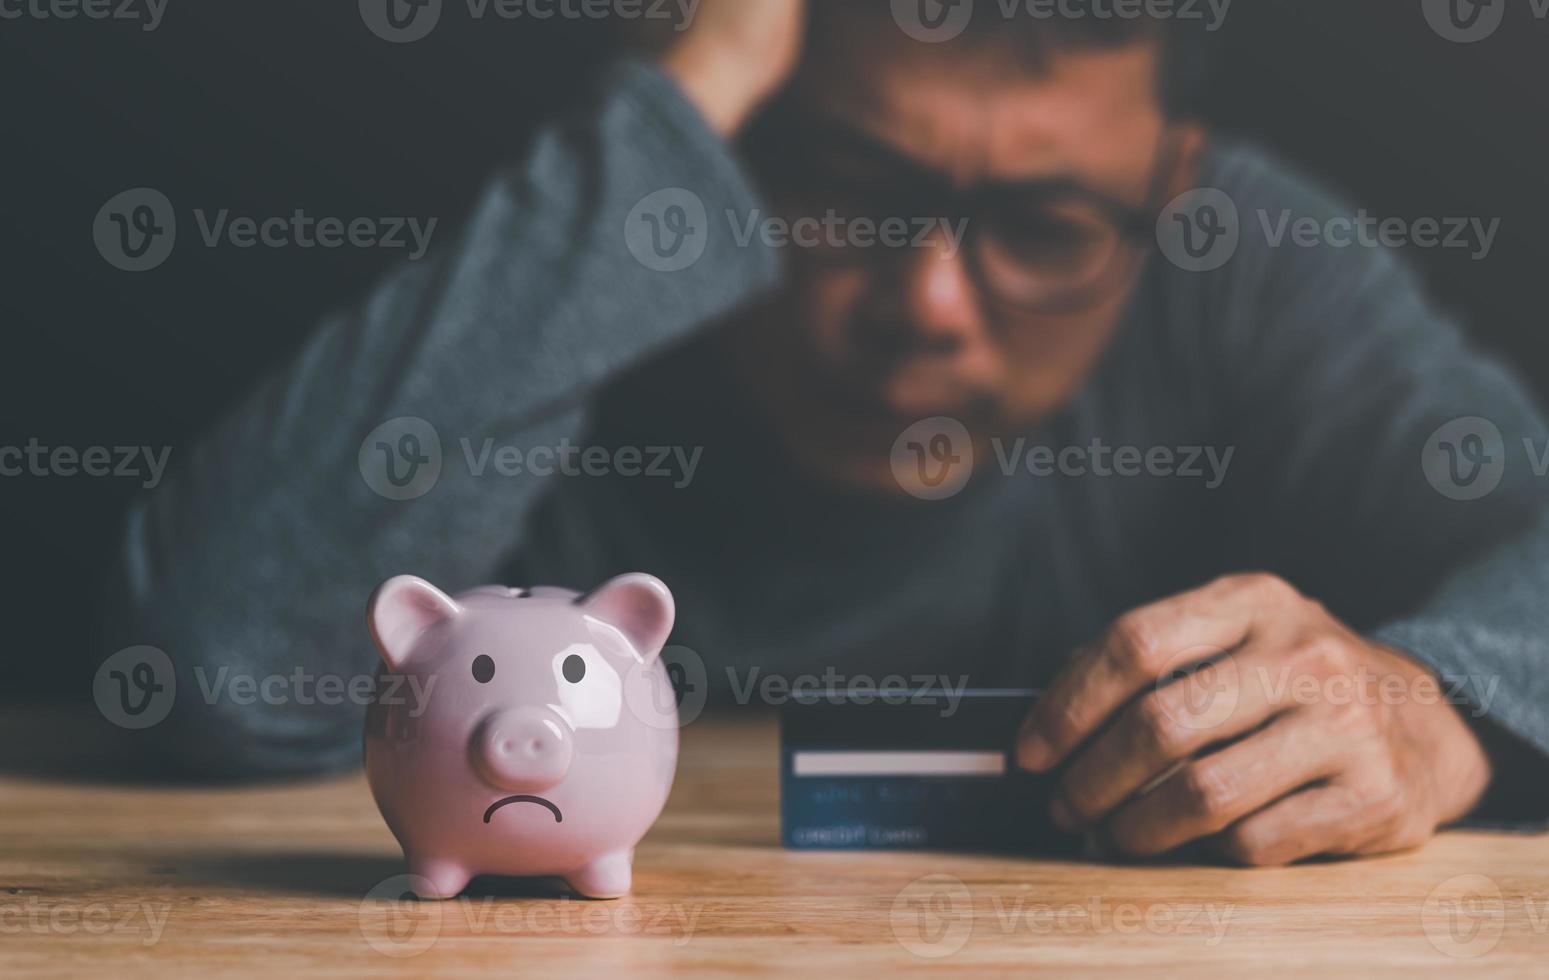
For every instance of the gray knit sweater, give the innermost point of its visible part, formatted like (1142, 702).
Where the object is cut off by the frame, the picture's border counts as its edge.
(1306, 383)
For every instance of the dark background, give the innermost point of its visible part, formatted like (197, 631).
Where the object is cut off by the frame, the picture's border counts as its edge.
(265, 106)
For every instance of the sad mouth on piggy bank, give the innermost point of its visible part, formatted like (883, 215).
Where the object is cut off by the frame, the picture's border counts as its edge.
(558, 817)
(546, 741)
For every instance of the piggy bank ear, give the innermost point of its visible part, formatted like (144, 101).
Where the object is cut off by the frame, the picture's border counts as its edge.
(639, 606)
(402, 609)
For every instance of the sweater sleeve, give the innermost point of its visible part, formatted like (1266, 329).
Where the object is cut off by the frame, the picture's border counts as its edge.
(1399, 473)
(367, 455)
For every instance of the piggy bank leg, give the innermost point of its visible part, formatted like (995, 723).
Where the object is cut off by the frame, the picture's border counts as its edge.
(607, 877)
(437, 880)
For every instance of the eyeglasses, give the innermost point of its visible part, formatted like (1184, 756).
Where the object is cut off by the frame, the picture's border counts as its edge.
(1041, 247)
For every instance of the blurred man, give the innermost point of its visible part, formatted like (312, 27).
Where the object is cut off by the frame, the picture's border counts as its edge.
(1015, 442)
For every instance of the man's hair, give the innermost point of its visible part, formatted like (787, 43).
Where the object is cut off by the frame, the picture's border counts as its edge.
(1066, 25)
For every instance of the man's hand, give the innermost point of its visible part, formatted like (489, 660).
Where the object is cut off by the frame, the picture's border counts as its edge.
(1296, 738)
(735, 55)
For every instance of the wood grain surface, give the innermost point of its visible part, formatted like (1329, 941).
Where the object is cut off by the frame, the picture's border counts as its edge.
(103, 878)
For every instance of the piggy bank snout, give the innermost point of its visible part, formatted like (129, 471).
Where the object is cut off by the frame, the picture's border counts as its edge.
(523, 749)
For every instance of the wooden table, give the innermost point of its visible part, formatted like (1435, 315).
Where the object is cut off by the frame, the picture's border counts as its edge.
(122, 880)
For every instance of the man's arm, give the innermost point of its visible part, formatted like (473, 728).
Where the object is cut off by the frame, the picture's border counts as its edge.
(1485, 635)
(256, 557)
(1399, 473)
(1319, 726)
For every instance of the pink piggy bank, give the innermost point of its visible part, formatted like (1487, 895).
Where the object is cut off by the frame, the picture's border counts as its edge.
(544, 737)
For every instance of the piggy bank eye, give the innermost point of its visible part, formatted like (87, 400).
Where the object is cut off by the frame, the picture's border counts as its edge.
(483, 669)
(591, 692)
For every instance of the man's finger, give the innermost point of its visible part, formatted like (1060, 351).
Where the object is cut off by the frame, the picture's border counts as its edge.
(1145, 644)
(1169, 724)
(1215, 791)
(1317, 820)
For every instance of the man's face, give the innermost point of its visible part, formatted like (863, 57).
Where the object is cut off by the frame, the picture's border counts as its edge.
(1022, 196)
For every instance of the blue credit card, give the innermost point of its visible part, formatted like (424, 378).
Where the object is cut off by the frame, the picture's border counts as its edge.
(924, 770)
